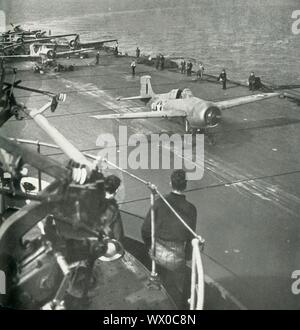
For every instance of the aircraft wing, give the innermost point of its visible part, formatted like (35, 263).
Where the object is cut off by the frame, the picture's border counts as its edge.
(92, 43)
(25, 57)
(133, 98)
(33, 41)
(60, 35)
(244, 100)
(77, 51)
(143, 115)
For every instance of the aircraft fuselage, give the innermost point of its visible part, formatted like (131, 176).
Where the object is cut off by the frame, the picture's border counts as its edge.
(199, 113)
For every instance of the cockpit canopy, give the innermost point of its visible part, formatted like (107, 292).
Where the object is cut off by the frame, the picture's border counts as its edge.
(186, 93)
(180, 94)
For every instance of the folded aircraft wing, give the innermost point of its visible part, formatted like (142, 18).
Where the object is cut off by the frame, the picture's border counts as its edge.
(29, 57)
(61, 35)
(244, 100)
(143, 115)
(93, 43)
(77, 51)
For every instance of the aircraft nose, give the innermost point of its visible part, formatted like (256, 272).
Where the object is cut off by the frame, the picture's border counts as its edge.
(212, 116)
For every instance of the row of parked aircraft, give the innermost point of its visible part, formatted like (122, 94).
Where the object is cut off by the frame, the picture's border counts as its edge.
(21, 44)
(197, 113)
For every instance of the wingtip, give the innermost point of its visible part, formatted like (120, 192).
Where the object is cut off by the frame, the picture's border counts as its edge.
(100, 117)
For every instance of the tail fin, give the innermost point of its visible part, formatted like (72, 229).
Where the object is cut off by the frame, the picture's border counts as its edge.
(146, 92)
(146, 88)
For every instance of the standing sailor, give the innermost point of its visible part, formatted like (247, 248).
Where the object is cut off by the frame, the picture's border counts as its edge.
(200, 71)
(251, 81)
(173, 240)
(138, 52)
(223, 78)
(162, 62)
(116, 50)
(183, 67)
(97, 58)
(133, 65)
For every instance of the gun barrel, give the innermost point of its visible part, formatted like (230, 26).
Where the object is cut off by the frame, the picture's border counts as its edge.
(67, 147)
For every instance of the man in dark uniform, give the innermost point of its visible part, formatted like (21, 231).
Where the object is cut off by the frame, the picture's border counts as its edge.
(223, 78)
(138, 52)
(157, 62)
(116, 50)
(162, 62)
(97, 58)
(183, 67)
(110, 219)
(173, 240)
(251, 81)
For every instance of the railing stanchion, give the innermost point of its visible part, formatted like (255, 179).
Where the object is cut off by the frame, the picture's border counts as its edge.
(193, 281)
(39, 171)
(154, 278)
(152, 199)
(2, 198)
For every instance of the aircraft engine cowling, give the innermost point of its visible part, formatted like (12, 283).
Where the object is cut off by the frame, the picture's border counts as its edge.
(72, 43)
(51, 54)
(205, 115)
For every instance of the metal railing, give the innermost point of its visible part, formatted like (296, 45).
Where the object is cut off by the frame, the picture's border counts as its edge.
(197, 279)
(38, 145)
(197, 274)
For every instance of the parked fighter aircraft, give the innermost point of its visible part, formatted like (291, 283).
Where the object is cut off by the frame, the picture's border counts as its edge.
(17, 41)
(197, 113)
(18, 48)
(18, 30)
(44, 51)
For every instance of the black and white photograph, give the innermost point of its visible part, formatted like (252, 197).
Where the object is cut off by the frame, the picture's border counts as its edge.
(149, 157)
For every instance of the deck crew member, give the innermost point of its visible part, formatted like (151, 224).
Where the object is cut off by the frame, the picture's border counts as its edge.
(251, 81)
(133, 66)
(223, 78)
(200, 71)
(183, 67)
(189, 68)
(116, 50)
(110, 220)
(138, 52)
(162, 62)
(157, 62)
(97, 58)
(173, 240)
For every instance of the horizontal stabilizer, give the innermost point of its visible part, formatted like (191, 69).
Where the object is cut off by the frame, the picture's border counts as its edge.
(143, 115)
(244, 100)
